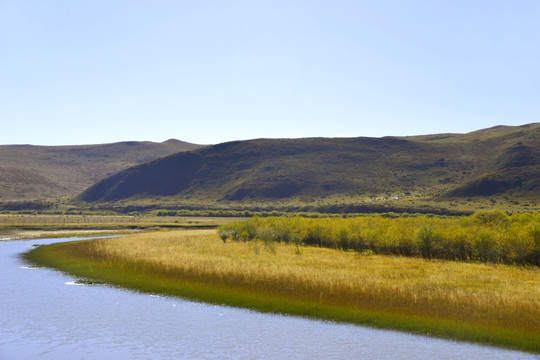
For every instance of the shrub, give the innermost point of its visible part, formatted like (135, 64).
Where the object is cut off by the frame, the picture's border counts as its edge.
(534, 256)
(266, 234)
(460, 245)
(223, 233)
(343, 237)
(425, 236)
(486, 236)
(491, 217)
(484, 246)
(297, 241)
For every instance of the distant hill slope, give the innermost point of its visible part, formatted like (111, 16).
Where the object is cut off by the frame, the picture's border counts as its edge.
(495, 161)
(31, 172)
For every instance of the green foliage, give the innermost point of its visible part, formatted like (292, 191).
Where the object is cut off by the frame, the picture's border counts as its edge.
(223, 233)
(426, 239)
(297, 241)
(491, 217)
(484, 245)
(266, 234)
(534, 256)
(487, 236)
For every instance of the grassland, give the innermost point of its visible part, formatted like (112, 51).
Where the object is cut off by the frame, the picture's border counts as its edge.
(498, 305)
(23, 226)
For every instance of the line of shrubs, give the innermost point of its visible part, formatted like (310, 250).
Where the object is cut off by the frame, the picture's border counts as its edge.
(488, 236)
(276, 213)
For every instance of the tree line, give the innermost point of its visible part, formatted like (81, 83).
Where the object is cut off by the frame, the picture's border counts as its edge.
(488, 236)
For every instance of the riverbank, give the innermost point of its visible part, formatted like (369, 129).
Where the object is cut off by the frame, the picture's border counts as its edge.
(473, 302)
(28, 234)
(24, 227)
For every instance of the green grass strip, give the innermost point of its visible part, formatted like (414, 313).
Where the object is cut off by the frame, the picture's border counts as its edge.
(140, 278)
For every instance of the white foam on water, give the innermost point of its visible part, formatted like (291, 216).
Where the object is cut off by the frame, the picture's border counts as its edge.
(74, 283)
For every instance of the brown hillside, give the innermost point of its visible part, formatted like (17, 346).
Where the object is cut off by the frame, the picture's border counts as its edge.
(496, 161)
(31, 172)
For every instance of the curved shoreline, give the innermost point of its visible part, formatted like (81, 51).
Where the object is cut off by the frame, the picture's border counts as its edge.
(135, 276)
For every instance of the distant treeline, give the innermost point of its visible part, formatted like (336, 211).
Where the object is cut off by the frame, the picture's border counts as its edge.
(276, 213)
(488, 236)
(56, 207)
(203, 213)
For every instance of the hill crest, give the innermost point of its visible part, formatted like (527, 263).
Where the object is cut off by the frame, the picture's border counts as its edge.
(500, 161)
(38, 171)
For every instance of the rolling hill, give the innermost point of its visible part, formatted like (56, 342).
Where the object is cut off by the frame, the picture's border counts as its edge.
(500, 164)
(32, 172)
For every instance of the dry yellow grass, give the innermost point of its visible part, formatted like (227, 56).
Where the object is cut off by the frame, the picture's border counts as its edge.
(501, 296)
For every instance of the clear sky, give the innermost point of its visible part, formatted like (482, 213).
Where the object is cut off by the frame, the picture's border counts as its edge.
(98, 71)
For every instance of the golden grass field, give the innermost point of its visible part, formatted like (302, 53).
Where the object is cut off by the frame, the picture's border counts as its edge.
(502, 296)
(486, 303)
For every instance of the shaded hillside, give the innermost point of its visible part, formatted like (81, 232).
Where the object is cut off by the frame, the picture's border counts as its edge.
(31, 172)
(515, 168)
(19, 183)
(353, 169)
(511, 166)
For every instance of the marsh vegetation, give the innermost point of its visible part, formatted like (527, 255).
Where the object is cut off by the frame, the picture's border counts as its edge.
(498, 305)
(486, 236)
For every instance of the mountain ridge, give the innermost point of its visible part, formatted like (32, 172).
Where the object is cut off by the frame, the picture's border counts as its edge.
(499, 161)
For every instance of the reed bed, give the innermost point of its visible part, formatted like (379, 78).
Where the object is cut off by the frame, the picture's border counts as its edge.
(488, 299)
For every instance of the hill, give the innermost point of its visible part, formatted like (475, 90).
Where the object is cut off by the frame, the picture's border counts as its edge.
(31, 172)
(498, 164)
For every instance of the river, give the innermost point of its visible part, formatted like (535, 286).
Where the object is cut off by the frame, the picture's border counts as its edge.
(44, 316)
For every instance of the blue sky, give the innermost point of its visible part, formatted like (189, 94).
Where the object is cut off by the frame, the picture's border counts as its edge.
(86, 72)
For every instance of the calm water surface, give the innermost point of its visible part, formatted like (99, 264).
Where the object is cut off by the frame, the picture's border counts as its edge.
(43, 317)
